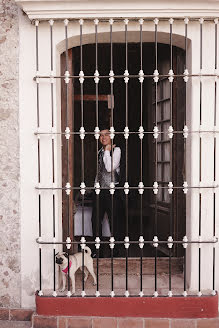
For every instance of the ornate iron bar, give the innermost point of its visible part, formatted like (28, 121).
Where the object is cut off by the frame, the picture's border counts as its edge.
(38, 154)
(215, 164)
(51, 22)
(155, 130)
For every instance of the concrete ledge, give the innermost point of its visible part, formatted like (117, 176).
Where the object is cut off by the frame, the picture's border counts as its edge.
(147, 307)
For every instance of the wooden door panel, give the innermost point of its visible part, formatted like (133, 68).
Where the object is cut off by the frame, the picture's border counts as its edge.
(164, 174)
(65, 159)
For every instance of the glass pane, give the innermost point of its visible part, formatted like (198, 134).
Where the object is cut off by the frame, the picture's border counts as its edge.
(159, 91)
(166, 151)
(166, 89)
(159, 152)
(159, 172)
(166, 196)
(158, 112)
(159, 195)
(159, 135)
(166, 110)
(166, 171)
(165, 130)
(165, 66)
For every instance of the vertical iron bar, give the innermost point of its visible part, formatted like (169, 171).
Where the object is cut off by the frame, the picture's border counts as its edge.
(40, 251)
(38, 154)
(81, 22)
(156, 58)
(67, 140)
(201, 22)
(51, 22)
(156, 104)
(111, 68)
(184, 280)
(170, 254)
(96, 79)
(112, 169)
(186, 41)
(215, 122)
(141, 158)
(97, 234)
(39, 171)
(37, 70)
(171, 151)
(126, 146)
(54, 247)
(200, 161)
(199, 253)
(214, 222)
(156, 177)
(185, 138)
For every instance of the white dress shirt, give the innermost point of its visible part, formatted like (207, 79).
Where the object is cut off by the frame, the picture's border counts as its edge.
(116, 159)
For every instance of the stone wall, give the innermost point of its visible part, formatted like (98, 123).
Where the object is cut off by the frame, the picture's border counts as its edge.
(9, 157)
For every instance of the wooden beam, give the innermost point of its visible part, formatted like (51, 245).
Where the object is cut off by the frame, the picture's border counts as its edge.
(106, 98)
(91, 97)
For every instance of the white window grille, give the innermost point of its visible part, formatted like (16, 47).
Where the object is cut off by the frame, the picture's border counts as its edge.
(163, 134)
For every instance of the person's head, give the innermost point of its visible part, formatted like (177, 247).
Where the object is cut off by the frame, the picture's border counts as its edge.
(105, 137)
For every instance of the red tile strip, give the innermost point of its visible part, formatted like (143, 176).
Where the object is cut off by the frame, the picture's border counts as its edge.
(161, 307)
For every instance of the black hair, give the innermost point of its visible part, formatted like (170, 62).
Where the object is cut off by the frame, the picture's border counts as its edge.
(104, 126)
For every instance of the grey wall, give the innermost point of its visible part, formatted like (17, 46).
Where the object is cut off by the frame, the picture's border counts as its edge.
(9, 157)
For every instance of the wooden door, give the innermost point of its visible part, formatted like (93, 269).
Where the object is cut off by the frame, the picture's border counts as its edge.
(163, 150)
(65, 159)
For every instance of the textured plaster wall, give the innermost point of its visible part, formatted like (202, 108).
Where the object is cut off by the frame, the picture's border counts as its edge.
(9, 157)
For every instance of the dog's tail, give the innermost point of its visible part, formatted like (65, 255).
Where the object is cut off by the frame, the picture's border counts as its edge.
(87, 250)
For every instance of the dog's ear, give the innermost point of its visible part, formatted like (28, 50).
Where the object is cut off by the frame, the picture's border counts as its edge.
(56, 254)
(66, 255)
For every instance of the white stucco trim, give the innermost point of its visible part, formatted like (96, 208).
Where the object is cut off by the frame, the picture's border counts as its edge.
(39, 9)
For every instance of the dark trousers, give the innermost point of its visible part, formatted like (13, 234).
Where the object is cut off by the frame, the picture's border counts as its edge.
(105, 206)
(117, 215)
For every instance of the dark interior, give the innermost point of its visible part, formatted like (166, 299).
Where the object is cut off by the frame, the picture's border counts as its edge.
(133, 124)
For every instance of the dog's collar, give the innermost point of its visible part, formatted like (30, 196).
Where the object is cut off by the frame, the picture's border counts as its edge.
(66, 269)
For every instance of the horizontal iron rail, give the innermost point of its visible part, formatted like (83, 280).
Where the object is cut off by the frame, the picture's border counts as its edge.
(131, 19)
(123, 188)
(130, 242)
(130, 132)
(130, 296)
(122, 76)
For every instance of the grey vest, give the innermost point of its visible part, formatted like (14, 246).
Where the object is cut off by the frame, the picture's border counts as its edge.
(104, 177)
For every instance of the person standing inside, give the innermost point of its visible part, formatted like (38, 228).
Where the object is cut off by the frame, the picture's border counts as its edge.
(106, 174)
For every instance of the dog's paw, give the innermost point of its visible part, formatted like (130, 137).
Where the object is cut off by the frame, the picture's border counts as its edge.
(62, 289)
(94, 283)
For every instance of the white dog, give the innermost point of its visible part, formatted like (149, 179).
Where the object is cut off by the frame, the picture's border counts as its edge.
(75, 262)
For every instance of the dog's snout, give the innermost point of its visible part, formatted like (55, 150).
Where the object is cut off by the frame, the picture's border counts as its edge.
(59, 260)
